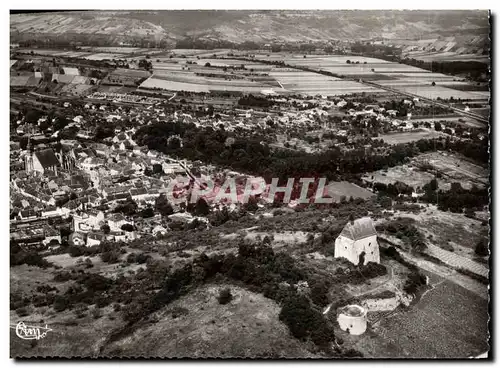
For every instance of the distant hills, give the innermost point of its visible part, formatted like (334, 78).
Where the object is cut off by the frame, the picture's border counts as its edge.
(256, 26)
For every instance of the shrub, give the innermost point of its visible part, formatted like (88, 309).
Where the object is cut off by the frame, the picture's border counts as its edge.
(414, 282)
(304, 321)
(128, 227)
(142, 258)
(96, 312)
(112, 256)
(75, 251)
(481, 248)
(62, 276)
(22, 312)
(131, 258)
(225, 296)
(179, 311)
(31, 258)
(60, 303)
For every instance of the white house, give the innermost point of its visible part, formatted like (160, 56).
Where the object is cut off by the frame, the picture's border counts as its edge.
(358, 240)
(95, 239)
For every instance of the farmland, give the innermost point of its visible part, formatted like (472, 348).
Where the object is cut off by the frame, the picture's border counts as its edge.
(408, 174)
(456, 168)
(405, 137)
(197, 70)
(440, 325)
(452, 167)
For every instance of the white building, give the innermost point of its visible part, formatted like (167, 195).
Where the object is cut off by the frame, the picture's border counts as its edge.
(358, 239)
(352, 318)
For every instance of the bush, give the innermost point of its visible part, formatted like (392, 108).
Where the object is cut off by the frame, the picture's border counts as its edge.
(111, 256)
(131, 258)
(22, 312)
(414, 282)
(96, 312)
(304, 321)
(179, 311)
(30, 258)
(127, 227)
(75, 251)
(62, 276)
(225, 296)
(482, 248)
(60, 303)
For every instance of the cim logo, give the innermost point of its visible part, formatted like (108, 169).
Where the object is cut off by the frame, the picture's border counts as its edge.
(31, 332)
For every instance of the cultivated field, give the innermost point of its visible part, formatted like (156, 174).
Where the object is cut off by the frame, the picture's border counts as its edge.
(340, 189)
(448, 322)
(405, 137)
(408, 174)
(455, 168)
(405, 78)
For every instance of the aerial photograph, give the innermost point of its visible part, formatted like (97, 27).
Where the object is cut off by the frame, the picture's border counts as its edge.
(266, 184)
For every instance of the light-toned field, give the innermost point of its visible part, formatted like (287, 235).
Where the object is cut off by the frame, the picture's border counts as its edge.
(433, 92)
(405, 78)
(76, 89)
(71, 71)
(173, 86)
(447, 56)
(19, 81)
(248, 326)
(338, 189)
(311, 83)
(405, 137)
(456, 168)
(132, 73)
(408, 174)
(104, 56)
(451, 230)
(62, 78)
(189, 81)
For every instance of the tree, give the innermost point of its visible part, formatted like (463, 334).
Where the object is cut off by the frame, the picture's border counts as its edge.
(105, 229)
(208, 65)
(348, 61)
(127, 227)
(32, 116)
(225, 296)
(433, 84)
(251, 205)
(146, 213)
(437, 126)
(157, 169)
(163, 206)
(482, 248)
(202, 208)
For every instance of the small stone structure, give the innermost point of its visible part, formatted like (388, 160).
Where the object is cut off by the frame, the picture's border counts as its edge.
(352, 318)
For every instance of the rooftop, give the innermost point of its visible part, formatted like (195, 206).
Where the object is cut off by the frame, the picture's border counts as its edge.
(359, 229)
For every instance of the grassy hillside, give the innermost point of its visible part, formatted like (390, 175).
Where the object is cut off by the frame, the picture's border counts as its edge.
(258, 26)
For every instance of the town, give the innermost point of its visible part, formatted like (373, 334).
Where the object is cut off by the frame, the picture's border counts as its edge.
(134, 215)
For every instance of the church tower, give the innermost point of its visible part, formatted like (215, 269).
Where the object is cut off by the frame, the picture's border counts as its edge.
(28, 160)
